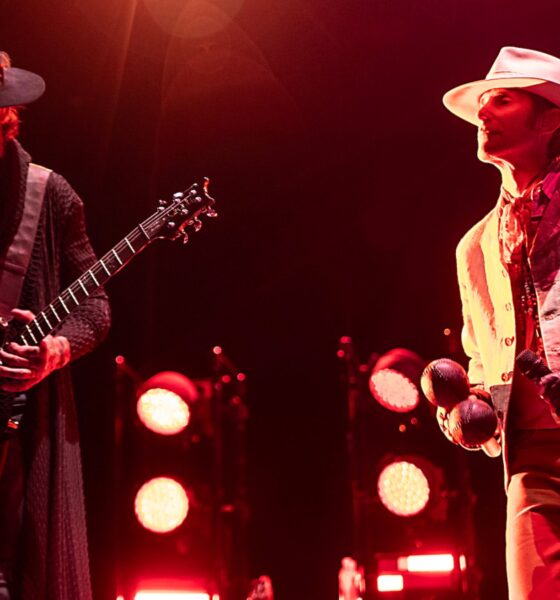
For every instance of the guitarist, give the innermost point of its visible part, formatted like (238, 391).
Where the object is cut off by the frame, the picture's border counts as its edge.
(43, 544)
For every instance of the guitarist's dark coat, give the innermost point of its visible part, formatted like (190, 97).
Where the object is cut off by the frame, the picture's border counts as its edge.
(54, 559)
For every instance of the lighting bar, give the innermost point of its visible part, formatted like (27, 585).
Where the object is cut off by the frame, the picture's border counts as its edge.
(427, 563)
(390, 583)
(398, 572)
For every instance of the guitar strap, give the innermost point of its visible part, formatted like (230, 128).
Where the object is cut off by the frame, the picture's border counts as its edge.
(14, 266)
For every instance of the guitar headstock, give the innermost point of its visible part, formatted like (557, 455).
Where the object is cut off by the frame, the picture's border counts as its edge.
(180, 214)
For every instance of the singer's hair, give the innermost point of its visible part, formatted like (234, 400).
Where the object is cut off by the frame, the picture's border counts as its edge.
(541, 105)
(9, 116)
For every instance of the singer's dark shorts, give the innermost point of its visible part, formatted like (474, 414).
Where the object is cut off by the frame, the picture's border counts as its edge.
(533, 515)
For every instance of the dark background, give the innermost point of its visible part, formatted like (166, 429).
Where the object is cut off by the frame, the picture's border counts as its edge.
(343, 187)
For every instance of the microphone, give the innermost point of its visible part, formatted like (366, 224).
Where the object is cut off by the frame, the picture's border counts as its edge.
(535, 369)
(472, 421)
(532, 366)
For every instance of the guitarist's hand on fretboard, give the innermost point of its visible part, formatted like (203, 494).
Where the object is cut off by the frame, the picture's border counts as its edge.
(23, 367)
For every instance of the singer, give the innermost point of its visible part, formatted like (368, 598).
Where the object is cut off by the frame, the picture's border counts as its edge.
(509, 277)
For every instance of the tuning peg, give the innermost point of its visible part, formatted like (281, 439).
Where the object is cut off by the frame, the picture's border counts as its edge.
(210, 212)
(171, 225)
(185, 237)
(197, 224)
(178, 196)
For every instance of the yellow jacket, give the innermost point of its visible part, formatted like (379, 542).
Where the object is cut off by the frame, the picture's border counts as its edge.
(488, 334)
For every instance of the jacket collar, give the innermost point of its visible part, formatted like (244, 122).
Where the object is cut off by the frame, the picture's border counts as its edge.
(550, 223)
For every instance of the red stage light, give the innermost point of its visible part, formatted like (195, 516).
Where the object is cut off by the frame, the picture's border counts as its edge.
(395, 378)
(403, 488)
(443, 571)
(390, 583)
(161, 505)
(394, 391)
(163, 411)
(429, 563)
(163, 402)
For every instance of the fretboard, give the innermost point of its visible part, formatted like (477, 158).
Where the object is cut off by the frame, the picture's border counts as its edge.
(74, 295)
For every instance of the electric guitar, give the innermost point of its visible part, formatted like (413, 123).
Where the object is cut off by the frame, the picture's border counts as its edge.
(173, 219)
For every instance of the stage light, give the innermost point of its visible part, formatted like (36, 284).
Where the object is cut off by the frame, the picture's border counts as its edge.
(429, 563)
(394, 380)
(163, 402)
(404, 488)
(163, 411)
(182, 507)
(409, 573)
(161, 505)
(390, 583)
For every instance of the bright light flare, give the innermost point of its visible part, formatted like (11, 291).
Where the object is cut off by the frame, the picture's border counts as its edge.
(403, 488)
(163, 411)
(393, 390)
(430, 563)
(390, 583)
(161, 505)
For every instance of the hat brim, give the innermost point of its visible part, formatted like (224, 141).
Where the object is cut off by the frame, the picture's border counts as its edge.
(463, 100)
(20, 87)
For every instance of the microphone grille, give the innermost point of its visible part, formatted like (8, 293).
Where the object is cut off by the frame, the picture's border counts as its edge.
(531, 365)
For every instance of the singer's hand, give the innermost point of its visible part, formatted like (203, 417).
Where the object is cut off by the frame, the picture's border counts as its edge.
(442, 417)
(493, 447)
(481, 394)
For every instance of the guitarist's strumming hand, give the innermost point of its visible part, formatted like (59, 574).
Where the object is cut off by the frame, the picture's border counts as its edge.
(22, 367)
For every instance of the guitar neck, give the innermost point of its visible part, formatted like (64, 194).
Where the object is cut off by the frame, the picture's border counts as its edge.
(74, 295)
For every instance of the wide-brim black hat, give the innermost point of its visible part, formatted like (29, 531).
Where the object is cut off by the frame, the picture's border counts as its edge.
(18, 86)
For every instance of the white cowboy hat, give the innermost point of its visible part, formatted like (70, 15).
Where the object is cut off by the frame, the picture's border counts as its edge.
(18, 86)
(536, 72)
